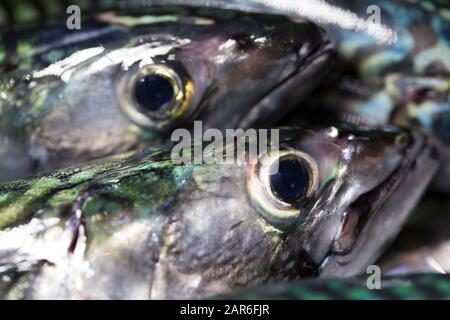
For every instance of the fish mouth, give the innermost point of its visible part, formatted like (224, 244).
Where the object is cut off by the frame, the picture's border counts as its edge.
(374, 219)
(310, 69)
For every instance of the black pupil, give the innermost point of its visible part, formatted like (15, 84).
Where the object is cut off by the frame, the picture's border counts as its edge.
(291, 180)
(153, 92)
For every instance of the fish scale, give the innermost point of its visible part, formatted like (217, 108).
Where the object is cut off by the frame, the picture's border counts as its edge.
(353, 288)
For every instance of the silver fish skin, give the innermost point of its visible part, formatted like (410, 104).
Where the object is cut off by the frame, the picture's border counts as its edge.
(68, 96)
(141, 227)
(423, 246)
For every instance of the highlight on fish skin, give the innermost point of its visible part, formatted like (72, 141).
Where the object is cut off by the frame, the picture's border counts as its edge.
(224, 150)
(128, 78)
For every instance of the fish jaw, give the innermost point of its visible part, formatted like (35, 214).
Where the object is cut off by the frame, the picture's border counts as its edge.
(334, 229)
(387, 212)
(293, 89)
(284, 76)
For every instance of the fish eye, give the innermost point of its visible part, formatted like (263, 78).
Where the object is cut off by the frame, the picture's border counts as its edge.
(291, 180)
(153, 96)
(279, 184)
(153, 92)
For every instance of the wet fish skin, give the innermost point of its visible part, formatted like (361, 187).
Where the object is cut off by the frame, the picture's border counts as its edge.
(63, 91)
(423, 246)
(406, 83)
(141, 227)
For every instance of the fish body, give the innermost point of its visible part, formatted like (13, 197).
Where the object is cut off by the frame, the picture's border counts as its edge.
(140, 226)
(144, 224)
(423, 246)
(406, 82)
(68, 96)
(410, 78)
(421, 42)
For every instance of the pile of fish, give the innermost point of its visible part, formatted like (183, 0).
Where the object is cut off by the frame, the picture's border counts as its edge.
(93, 205)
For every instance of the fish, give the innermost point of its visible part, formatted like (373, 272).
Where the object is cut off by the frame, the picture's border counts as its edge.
(129, 77)
(141, 226)
(404, 287)
(406, 82)
(423, 246)
(418, 42)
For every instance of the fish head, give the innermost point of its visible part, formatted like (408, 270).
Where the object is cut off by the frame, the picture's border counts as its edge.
(325, 203)
(126, 79)
(379, 177)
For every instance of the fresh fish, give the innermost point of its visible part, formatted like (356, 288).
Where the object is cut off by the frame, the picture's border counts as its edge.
(423, 246)
(141, 226)
(406, 287)
(420, 48)
(430, 258)
(129, 77)
(406, 83)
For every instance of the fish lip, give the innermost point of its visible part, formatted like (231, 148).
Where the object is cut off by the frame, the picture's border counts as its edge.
(386, 187)
(418, 149)
(317, 58)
